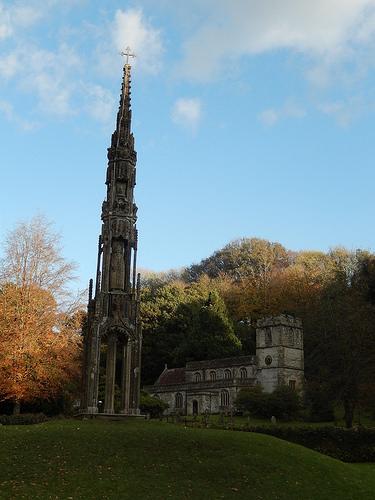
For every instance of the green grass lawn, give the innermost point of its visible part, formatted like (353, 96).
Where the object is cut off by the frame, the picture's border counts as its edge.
(153, 460)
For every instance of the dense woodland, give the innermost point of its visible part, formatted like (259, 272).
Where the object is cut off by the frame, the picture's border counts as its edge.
(207, 310)
(210, 310)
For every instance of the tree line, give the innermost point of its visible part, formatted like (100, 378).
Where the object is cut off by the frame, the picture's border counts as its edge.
(210, 310)
(205, 311)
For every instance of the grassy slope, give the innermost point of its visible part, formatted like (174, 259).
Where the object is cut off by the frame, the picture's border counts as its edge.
(140, 460)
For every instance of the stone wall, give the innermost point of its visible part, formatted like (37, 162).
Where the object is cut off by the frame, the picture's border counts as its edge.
(207, 384)
(208, 396)
(224, 372)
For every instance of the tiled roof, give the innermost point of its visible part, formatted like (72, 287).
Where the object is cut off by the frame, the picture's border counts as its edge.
(171, 376)
(218, 363)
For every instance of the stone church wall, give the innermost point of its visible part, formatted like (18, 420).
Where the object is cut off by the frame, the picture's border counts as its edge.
(212, 386)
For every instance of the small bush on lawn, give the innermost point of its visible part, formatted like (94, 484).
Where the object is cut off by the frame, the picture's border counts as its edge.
(283, 403)
(23, 419)
(151, 405)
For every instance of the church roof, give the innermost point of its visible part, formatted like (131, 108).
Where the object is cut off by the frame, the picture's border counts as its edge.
(220, 363)
(171, 376)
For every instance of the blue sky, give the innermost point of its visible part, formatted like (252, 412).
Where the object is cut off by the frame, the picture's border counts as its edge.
(250, 118)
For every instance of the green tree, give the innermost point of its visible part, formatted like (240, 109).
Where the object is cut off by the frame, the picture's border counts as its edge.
(182, 323)
(151, 405)
(205, 330)
(344, 340)
(282, 403)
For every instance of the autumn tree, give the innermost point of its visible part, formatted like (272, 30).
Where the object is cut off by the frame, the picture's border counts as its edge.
(39, 323)
(332, 293)
(252, 258)
(348, 329)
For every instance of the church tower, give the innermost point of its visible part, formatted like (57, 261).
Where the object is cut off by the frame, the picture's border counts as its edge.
(113, 324)
(279, 351)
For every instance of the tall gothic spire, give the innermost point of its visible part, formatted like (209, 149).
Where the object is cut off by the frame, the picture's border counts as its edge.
(124, 114)
(122, 137)
(113, 313)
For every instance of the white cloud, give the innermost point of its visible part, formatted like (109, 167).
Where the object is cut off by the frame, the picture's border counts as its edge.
(52, 76)
(271, 116)
(322, 29)
(19, 15)
(131, 28)
(187, 112)
(45, 73)
(7, 110)
(9, 65)
(25, 15)
(5, 23)
(101, 102)
(345, 111)
(59, 80)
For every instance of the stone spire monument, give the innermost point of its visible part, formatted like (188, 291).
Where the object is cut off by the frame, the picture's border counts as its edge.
(113, 325)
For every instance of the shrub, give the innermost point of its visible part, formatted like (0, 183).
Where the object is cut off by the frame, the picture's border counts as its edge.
(283, 403)
(253, 401)
(319, 402)
(151, 405)
(23, 419)
(62, 405)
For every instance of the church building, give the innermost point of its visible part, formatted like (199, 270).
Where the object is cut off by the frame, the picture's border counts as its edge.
(212, 386)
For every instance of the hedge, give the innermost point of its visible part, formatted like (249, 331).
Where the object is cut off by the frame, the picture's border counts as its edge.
(348, 445)
(23, 419)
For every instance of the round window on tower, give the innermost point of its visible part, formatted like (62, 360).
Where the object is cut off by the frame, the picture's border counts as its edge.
(268, 360)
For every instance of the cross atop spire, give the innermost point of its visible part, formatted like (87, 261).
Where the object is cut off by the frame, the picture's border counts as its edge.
(127, 53)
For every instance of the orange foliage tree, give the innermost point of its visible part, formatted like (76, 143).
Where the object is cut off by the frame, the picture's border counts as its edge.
(39, 327)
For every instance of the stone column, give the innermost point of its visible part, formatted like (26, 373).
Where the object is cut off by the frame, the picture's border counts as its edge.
(97, 370)
(110, 374)
(93, 370)
(124, 354)
(137, 385)
(126, 377)
(135, 377)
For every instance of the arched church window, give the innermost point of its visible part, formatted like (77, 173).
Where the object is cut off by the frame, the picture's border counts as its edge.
(268, 337)
(243, 372)
(224, 398)
(227, 374)
(212, 375)
(179, 400)
(197, 377)
(292, 385)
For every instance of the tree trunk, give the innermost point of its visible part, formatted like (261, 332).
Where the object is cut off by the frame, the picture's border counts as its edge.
(349, 413)
(17, 408)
